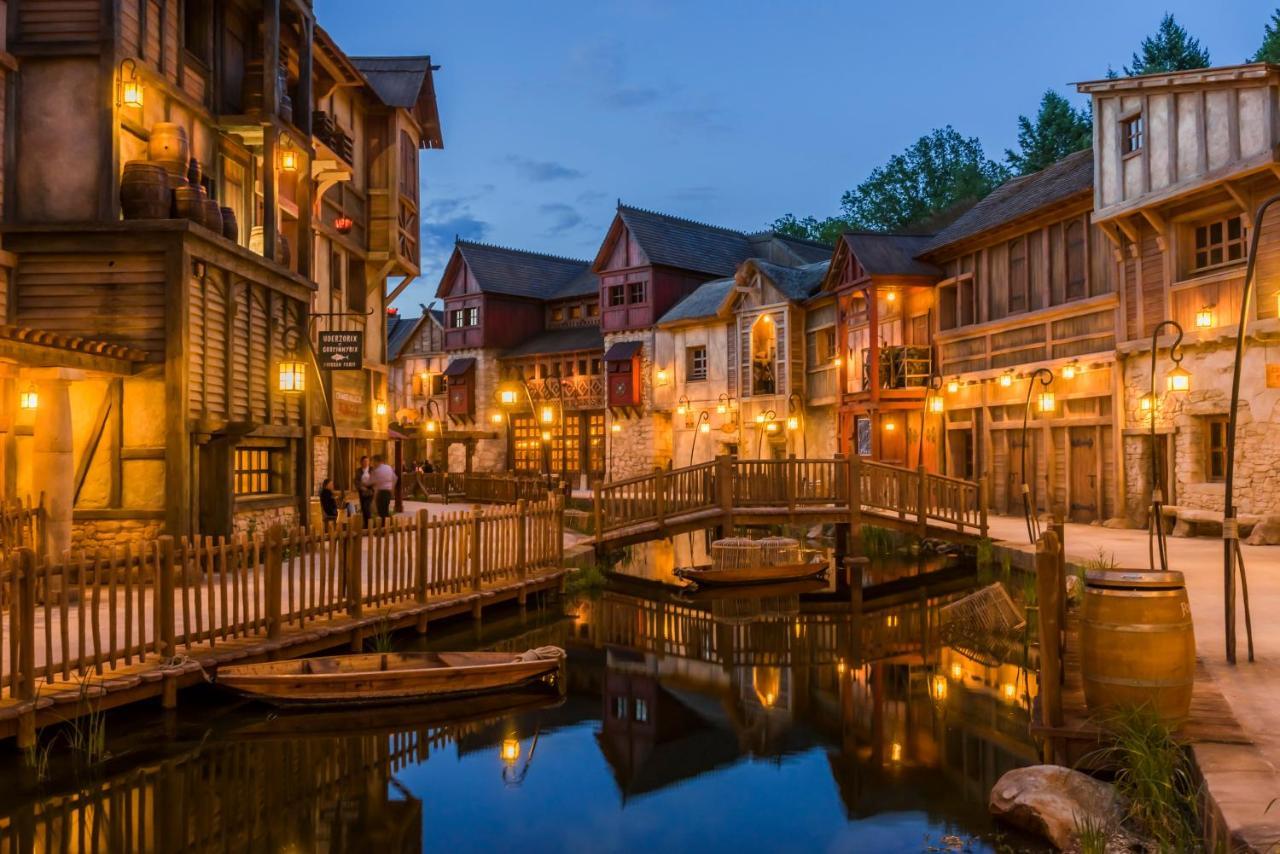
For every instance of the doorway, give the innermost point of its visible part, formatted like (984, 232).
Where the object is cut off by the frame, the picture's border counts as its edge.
(1084, 474)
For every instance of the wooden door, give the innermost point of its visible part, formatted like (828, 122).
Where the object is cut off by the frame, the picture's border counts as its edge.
(1084, 474)
(1014, 481)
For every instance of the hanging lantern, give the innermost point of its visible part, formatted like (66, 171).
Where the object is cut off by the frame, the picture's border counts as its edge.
(939, 687)
(1179, 379)
(935, 404)
(548, 415)
(380, 408)
(760, 418)
(953, 386)
(496, 418)
(510, 750)
(1147, 403)
(1069, 371)
(29, 399)
(704, 427)
(957, 672)
(1006, 379)
(343, 224)
(891, 296)
(662, 375)
(889, 426)
(682, 407)
(837, 361)
(1047, 401)
(289, 160)
(771, 427)
(507, 397)
(432, 425)
(293, 376)
(793, 423)
(546, 435)
(615, 427)
(131, 86)
(1204, 317)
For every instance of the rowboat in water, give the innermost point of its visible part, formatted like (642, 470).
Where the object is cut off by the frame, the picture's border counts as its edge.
(392, 677)
(705, 576)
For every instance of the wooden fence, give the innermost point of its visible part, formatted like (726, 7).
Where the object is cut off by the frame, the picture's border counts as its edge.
(96, 612)
(22, 525)
(848, 487)
(501, 488)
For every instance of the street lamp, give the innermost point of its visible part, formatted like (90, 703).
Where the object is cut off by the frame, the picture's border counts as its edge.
(1046, 399)
(1178, 380)
(795, 421)
(764, 423)
(703, 426)
(432, 424)
(292, 377)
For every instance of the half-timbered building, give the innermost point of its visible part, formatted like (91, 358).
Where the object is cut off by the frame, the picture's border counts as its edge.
(415, 380)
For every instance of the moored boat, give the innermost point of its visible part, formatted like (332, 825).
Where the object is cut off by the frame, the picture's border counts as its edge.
(392, 677)
(776, 574)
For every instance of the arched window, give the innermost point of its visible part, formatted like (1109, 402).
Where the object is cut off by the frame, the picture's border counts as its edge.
(764, 356)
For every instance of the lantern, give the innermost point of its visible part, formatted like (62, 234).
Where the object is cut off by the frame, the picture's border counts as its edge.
(432, 425)
(935, 404)
(953, 386)
(1147, 403)
(131, 86)
(957, 672)
(380, 408)
(510, 750)
(891, 296)
(662, 375)
(507, 397)
(771, 427)
(1047, 401)
(1069, 371)
(293, 376)
(889, 426)
(704, 427)
(1204, 317)
(548, 415)
(793, 423)
(682, 408)
(837, 361)
(289, 160)
(1179, 379)
(546, 435)
(496, 418)
(29, 399)
(615, 427)
(760, 418)
(938, 688)
(895, 752)
(840, 666)
(1009, 690)
(344, 224)
(1006, 379)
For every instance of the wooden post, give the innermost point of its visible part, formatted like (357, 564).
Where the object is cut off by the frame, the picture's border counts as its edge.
(522, 538)
(1048, 591)
(476, 514)
(274, 571)
(1059, 528)
(352, 551)
(922, 500)
(660, 496)
(420, 566)
(597, 510)
(724, 492)
(790, 470)
(855, 498)
(26, 601)
(165, 631)
(558, 533)
(983, 499)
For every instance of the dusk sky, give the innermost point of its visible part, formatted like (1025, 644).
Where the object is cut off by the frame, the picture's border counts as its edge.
(728, 112)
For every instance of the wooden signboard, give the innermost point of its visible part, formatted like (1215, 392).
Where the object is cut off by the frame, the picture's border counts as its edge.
(341, 351)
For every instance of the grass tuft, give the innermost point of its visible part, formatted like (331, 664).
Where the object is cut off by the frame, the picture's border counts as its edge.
(586, 581)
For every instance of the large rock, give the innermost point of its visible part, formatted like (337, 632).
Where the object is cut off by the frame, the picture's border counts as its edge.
(1266, 532)
(1051, 801)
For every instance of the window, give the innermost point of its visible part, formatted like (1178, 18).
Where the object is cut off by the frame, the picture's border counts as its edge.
(526, 439)
(641, 713)
(695, 364)
(196, 15)
(1218, 243)
(1131, 133)
(557, 315)
(595, 366)
(473, 316)
(1075, 260)
(459, 318)
(862, 436)
(619, 708)
(764, 355)
(1018, 278)
(1215, 456)
(575, 312)
(357, 287)
(635, 292)
(253, 475)
(595, 443)
(593, 309)
(617, 295)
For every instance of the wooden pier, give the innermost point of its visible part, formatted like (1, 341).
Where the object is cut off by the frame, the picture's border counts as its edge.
(97, 631)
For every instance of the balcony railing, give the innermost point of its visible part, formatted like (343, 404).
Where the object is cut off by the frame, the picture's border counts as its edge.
(902, 366)
(578, 392)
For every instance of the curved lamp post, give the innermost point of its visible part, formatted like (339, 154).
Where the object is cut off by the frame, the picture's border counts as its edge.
(1179, 380)
(796, 421)
(932, 403)
(1046, 404)
(508, 397)
(1230, 530)
(764, 421)
(703, 425)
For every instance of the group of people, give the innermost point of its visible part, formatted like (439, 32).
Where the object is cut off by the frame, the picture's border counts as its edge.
(375, 484)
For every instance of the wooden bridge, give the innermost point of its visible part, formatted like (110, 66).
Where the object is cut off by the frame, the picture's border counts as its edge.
(727, 492)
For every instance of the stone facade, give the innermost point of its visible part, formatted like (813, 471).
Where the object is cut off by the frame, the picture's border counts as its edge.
(488, 455)
(92, 535)
(644, 442)
(259, 519)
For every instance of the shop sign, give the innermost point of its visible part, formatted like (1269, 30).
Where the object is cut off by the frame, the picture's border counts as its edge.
(341, 351)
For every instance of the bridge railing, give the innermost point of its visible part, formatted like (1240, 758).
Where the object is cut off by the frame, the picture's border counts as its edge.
(654, 497)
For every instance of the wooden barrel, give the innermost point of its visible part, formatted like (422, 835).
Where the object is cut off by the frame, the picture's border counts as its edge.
(1137, 644)
(230, 228)
(144, 191)
(210, 215)
(189, 202)
(168, 146)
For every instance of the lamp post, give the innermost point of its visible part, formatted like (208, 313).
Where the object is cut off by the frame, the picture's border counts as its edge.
(1179, 380)
(764, 421)
(932, 403)
(703, 425)
(796, 421)
(1230, 532)
(508, 396)
(434, 426)
(1046, 404)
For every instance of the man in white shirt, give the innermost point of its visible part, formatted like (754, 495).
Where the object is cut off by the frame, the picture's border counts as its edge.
(382, 480)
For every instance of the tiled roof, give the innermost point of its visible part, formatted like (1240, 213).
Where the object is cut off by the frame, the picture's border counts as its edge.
(62, 341)
(584, 284)
(559, 341)
(702, 303)
(672, 241)
(797, 283)
(516, 272)
(807, 251)
(398, 80)
(1018, 197)
(399, 331)
(891, 254)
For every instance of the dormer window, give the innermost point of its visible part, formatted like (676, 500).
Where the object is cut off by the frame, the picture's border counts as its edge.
(1132, 131)
(1218, 243)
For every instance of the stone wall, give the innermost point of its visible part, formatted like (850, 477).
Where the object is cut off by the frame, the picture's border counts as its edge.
(319, 462)
(644, 442)
(91, 535)
(490, 454)
(1187, 414)
(259, 519)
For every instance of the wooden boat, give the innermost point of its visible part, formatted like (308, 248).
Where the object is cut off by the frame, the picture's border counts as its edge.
(716, 593)
(392, 677)
(706, 576)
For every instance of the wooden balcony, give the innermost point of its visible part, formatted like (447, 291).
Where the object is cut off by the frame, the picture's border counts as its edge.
(578, 392)
(901, 367)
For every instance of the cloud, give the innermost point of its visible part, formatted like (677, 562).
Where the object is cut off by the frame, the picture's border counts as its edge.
(443, 219)
(542, 171)
(560, 218)
(604, 65)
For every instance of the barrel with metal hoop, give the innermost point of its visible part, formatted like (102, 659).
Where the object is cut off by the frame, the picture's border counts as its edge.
(1137, 644)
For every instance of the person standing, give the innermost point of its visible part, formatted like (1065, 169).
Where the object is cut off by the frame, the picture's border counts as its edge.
(364, 489)
(382, 479)
(328, 502)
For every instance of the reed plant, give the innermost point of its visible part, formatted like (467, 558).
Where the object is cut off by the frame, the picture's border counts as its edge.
(1092, 835)
(586, 581)
(383, 638)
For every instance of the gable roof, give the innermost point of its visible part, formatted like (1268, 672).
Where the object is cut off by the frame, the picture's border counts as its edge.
(1019, 197)
(582, 285)
(705, 302)
(516, 272)
(568, 340)
(805, 251)
(673, 241)
(890, 254)
(399, 331)
(796, 283)
(406, 82)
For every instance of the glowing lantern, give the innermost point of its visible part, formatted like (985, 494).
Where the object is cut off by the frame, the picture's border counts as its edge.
(1147, 403)
(840, 667)
(432, 425)
(496, 418)
(29, 399)
(510, 750)
(343, 224)
(1009, 691)
(889, 426)
(1047, 401)
(793, 423)
(380, 408)
(131, 86)
(289, 160)
(682, 408)
(507, 397)
(1204, 317)
(939, 687)
(936, 404)
(1179, 380)
(953, 386)
(837, 361)
(721, 408)
(771, 427)
(760, 418)
(546, 435)
(615, 427)
(891, 296)
(293, 376)
(1006, 379)
(548, 415)
(704, 427)
(957, 672)
(895, 752)
(662, 375)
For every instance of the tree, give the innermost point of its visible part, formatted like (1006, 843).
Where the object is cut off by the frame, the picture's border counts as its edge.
(1059, 129)
(811, 228)
(1270, 49)
(937, 172)
(1170, 49)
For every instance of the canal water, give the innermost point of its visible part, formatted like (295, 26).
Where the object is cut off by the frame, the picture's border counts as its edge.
(765, 720)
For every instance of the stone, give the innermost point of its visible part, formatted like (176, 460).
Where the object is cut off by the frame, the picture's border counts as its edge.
(1266, 532)
(1050, 801)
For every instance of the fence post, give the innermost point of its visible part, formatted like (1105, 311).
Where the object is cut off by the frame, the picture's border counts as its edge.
(558, 533)
(922, 501)
(1059, 528)
(1048, 591)
(983, 499)
(724, 492)
(166, 634)
(352, 549)
(420, 557)
(26, 602)
(660, 496)
(475, 547)
(522, 539)
(791, 471)
(274, 572)
(855, 497)
(597, 510)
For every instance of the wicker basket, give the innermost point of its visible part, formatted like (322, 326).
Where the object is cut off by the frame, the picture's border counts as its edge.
(777, 551)
(735, 553)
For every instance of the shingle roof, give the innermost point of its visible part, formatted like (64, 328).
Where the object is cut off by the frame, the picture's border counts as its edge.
(808, 251)
(516, 272)
(584, 284)
(685, 244)
(891, 254)
(1018, 197)
(398, 80)
(559, 341)
(797, 283)
(399, 331)
(702, 303)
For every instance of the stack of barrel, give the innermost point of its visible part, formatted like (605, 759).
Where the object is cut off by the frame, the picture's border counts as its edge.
(170, 185)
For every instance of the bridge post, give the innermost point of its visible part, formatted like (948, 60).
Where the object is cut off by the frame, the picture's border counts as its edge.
(791, 471)
(660, 496)
(855, 496)
(922, 498)
(597, 512)
(983, 500)
(724, 492)
(1059, 528)
(1048, 590)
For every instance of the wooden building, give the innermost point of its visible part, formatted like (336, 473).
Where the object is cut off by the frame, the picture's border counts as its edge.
(1181, 163)
(186, 427)
(416, 361)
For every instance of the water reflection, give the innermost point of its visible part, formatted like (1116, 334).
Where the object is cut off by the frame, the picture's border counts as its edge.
(769, 718)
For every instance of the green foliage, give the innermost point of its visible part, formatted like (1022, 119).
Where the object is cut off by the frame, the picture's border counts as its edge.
(810, 227)
(586, 581)
(1269, 51)
(1171, 49)
(382, 639)
(1154, 776)
(1092, 835)
(1058, 130)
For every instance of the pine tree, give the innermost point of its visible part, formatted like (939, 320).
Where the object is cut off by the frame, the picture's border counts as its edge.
(1270, 48)
(1171, 49)
(1058, 130)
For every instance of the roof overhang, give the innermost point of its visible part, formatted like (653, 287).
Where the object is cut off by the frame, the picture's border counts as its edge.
(621, 351)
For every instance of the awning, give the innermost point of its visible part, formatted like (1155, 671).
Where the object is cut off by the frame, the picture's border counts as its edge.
(623, 351)
(458, 367)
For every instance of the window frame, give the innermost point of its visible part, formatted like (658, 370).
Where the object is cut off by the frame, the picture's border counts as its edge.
(634, 288)
(1225, 245)
(617, 296)
(692, 356)
(251, 467)
(1214, 453)
(1133, 133)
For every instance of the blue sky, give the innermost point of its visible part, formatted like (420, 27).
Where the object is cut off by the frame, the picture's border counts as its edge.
(727, 111)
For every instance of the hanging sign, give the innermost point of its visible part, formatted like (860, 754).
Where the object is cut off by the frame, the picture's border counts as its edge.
(1273, 375)
(341, 351)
